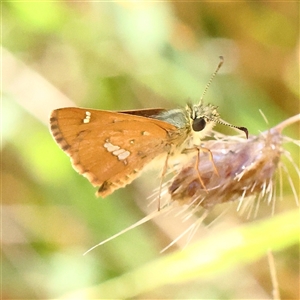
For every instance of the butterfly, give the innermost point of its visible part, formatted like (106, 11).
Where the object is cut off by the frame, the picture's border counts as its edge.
(111, 148)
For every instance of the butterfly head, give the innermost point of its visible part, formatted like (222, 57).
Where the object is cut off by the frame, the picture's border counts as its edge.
(203, 117)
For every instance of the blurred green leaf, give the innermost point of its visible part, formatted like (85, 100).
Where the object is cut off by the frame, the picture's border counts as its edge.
(44, 16)
(203, 259)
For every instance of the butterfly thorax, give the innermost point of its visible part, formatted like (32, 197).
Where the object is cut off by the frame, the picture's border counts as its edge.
(180, 119)
(193, 123)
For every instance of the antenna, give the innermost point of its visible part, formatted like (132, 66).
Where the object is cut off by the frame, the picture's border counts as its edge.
(244, 129)
(212, 77)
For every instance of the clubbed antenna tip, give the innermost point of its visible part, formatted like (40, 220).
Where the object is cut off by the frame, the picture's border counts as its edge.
(221, 62)
(244, 129)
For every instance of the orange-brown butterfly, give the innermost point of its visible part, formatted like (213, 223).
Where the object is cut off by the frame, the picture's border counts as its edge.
(112, 148)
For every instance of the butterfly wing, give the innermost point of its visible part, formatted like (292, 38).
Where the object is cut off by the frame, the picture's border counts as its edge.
(110, 148)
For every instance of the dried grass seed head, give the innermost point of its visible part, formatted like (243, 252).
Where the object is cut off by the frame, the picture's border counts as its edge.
(246, 168)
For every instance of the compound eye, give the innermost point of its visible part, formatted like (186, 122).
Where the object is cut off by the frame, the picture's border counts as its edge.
(198, 124)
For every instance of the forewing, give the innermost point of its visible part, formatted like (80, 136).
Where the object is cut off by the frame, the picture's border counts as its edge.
(109, 148)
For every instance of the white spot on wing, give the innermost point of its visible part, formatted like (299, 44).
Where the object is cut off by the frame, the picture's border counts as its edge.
(110, 147)
(120, 153)
(123, 155)
(87, 118)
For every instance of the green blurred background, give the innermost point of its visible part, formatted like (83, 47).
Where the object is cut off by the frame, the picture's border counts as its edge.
(131, 55)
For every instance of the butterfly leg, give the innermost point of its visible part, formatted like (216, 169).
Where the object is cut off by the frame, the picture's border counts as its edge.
(210, 158)
(197, 169)
(198, 161)
(198, 149)
(164, 171)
